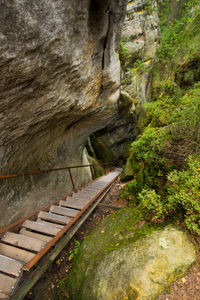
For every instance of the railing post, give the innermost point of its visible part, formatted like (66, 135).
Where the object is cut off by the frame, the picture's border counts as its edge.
(73, 185)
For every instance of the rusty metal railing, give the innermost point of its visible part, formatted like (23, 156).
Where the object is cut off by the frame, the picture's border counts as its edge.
(52, 170)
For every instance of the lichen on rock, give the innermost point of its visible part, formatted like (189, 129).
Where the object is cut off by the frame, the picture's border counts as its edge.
(122, 261)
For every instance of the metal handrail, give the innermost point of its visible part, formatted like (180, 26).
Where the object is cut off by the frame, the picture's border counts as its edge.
(51, 170)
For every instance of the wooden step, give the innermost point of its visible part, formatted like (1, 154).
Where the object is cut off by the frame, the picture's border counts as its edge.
(39, 227)
(91, 193)
(16, 253)
(7, 284)
(10, 266)
(90, 188)
(3, 296)
(49, 223)
(20, 240)
(37, 236)
(85, 199)
(53, 217)
(63, 211)
(72, 204)
(74, 199)
(86, 193)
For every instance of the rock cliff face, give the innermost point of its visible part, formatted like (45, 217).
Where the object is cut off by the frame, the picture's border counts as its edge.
(139, 43)
(59, 82)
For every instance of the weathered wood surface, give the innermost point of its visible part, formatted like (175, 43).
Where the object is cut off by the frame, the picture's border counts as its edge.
(10, 266)
(23, 241)
(72, 204)
(16, 253)
(53, 217)
(35, 275)
(7, 284)
(59, 226)
(3, 296)
(39, 227)
(38, 236)
(69, 212)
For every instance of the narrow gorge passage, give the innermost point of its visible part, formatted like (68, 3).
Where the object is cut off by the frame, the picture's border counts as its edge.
(95, 84)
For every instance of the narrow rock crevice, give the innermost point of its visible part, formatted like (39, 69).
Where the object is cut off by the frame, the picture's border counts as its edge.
(106, 38)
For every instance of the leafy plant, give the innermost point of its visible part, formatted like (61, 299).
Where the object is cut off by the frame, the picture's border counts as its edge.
(182, 195)
(72, 253)
(124, 54)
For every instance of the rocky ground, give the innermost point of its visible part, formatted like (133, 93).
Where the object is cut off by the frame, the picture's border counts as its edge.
(186, 288)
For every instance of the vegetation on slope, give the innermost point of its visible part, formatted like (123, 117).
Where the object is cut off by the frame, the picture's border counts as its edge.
(165, 159)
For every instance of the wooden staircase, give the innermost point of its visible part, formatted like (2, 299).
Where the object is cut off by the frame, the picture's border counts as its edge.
(23, 247)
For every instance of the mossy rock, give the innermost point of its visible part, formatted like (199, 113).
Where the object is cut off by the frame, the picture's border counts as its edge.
(101, 150)
(143, 120)
(131, 168)
(120, 260)
(97, 170)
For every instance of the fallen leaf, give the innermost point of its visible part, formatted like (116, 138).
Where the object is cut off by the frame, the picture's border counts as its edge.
(183, 280)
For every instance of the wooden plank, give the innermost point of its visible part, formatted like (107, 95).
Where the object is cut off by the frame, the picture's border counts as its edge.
(39, 227)
(23, 241)
(90, 188)
(90, 192)
(86, 193)
(53, 217)
(3, 296)
(85, 199)
(76, 200)
(49, 223)
(39, 255)
(10, 266)
(16, 253)
(35, 213)
(72, 204)
(6, 284)
(37, 236)
(37, 273)
(64, 211)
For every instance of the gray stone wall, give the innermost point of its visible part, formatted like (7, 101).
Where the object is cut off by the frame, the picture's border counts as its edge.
(59, 82)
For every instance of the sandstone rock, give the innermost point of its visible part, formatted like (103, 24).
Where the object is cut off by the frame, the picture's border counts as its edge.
(120, 261)
(59, 82)
(140, 40)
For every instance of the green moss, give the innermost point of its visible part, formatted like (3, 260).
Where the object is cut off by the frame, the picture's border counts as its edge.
(130, 169)
(126, 150)
(116, 231)
(143, 120)
(124, 54)
(96, 170)
(102, 152)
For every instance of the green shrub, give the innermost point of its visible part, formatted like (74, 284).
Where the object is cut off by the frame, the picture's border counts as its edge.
(182, 195)
(124, 54)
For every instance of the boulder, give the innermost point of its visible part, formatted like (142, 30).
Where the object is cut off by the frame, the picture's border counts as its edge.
(122, 261)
